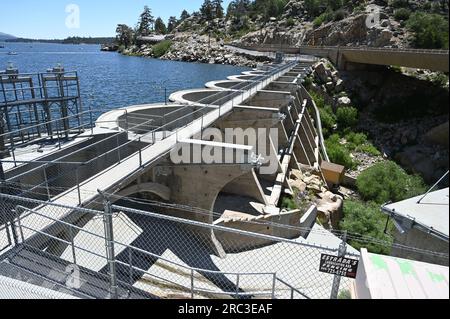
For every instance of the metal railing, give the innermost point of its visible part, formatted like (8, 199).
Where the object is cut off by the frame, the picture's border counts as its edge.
(277, 47)
(78, 238)
(217, 102)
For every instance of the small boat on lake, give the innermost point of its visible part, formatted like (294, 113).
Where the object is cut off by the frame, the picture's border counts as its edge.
(12, 53)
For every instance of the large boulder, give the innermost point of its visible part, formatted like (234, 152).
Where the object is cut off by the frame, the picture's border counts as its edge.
(343, 101)
(439, 135)
(329, 207)
(321, 72)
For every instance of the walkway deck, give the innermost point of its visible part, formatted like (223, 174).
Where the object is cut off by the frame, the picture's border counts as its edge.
(119, 175)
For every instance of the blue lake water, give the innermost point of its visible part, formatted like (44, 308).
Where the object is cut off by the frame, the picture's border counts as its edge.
(110, 80)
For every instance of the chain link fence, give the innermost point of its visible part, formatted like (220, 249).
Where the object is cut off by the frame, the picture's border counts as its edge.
(126, 253)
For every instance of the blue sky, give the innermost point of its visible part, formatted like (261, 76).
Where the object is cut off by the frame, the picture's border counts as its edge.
(46, 19)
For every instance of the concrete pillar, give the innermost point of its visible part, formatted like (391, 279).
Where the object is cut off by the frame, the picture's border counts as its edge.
(199, 185)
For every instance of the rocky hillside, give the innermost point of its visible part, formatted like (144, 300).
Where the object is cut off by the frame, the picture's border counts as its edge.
(404, 117)
(379, 23)
(372, 23)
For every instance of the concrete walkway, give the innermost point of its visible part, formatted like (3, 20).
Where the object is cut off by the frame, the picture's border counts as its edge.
(119, 175)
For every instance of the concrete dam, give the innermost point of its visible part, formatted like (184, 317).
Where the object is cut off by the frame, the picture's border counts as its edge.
(207, 192)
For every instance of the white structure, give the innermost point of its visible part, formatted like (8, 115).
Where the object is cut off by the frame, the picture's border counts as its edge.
(385, 277)
(422, 222)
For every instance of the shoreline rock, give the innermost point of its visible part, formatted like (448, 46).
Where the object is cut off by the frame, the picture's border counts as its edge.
(195, 48)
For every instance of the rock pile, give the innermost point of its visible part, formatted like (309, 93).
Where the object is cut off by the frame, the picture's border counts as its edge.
(312, 189)
(190, 47)
(193, 48)
(330, 84)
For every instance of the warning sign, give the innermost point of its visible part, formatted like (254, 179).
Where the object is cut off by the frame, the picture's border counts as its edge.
(341, 266)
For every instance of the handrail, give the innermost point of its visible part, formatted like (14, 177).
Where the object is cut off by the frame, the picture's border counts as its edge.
(293, 289)
(131, 248)
(319, 125)
(152, 133)
(352, 48)
(44, 123)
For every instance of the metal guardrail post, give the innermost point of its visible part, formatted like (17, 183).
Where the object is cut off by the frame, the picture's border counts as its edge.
(140, 151)
(274, 285)
(109, 242)
(2, 176)
(192, 283)
(77, 177)
(91, 120)
(337, 279)
(46, 183)
(238, 278)
(72, 237)
(130, 261)
(58, 132)
(118, 149)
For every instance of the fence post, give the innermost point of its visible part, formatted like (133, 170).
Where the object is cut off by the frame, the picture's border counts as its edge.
(109, 242)
(46, 183)
(337, 279)
(77, 179)
(192, 283)
(274, 284)
(140, 152)
(91, 120)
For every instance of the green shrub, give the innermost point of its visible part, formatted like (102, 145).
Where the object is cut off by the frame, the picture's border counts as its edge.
(290, 22)
(307, 82)
(328, 120)
(323, 18)
(161, 48)
(438, 79)
(359, 142)
(318, 99)
(399, 3)
(356, 139)
(347, 117)
(327, 116)
(368, 148)
(430, 30)
(359, 8)
(386, 182)
(338, 153)
(366, 220)
(339, 15)
(402, 14)
(288, 203)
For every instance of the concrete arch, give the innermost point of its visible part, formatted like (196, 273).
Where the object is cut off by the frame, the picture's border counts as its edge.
(246, 185)
(154, 188)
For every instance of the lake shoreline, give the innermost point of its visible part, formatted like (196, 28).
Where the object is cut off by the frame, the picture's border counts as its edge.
(194, 48)
(112, 80)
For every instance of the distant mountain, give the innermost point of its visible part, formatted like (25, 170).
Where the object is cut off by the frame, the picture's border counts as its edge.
(4, 36)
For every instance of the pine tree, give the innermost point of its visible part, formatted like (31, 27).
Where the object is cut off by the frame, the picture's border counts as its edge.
(184, 15)
(206, 10)
(172, 24)
(146, 22)
(124, 35)
(218, 9)
(160, 26)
